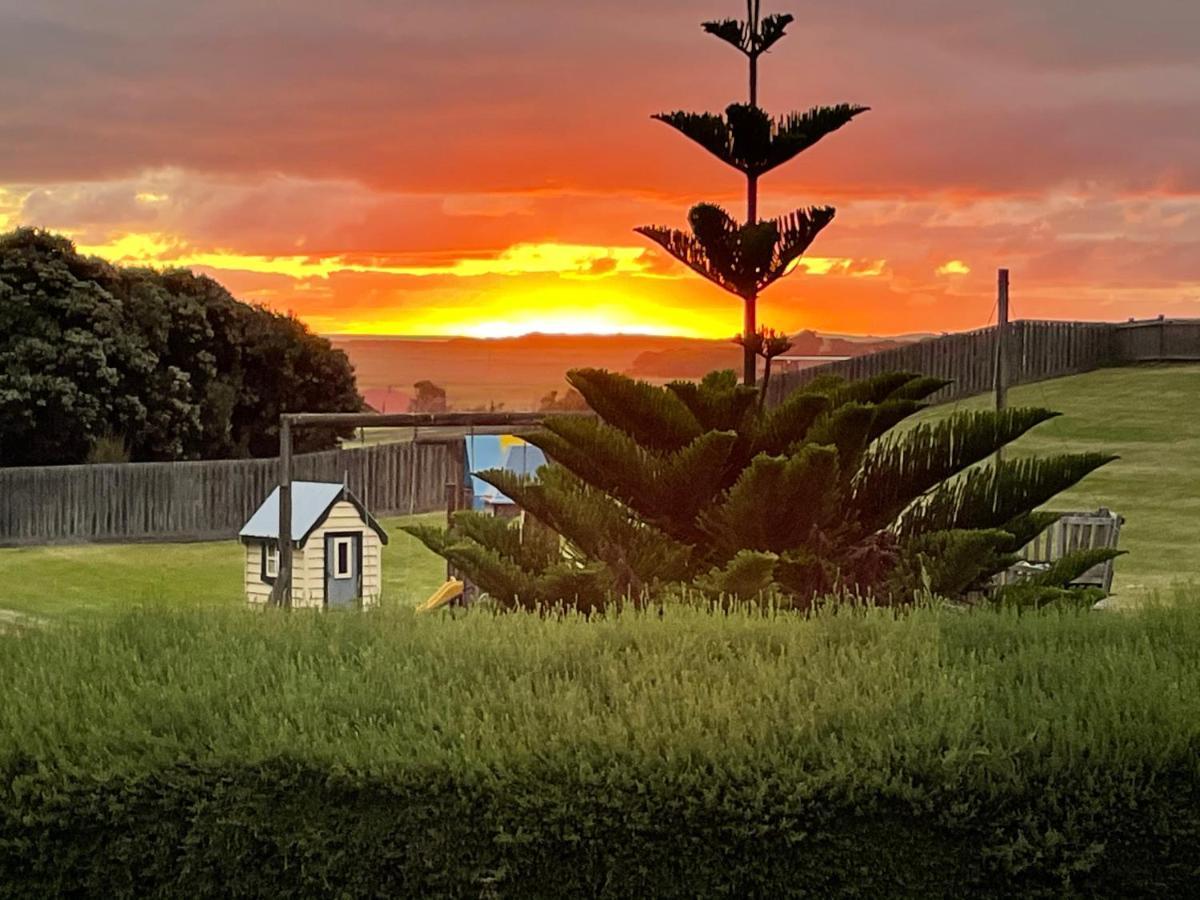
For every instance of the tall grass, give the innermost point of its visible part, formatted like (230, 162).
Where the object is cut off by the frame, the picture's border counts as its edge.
(984, 699)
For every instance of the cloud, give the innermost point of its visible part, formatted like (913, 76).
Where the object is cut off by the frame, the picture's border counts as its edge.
(429, 97)
(425, 162)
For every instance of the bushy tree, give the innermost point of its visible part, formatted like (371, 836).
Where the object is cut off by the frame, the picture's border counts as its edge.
(167, 364)
(698, 484)
(428, 398)
(66, 353)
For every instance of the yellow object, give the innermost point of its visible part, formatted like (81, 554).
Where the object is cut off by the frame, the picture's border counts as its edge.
(451, 590)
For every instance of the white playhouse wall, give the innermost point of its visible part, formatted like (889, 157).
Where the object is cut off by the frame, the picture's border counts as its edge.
(259, 591)
(308, 563)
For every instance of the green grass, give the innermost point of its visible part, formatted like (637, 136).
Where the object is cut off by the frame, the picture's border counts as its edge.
(396, 685)
(1059, 750)
(76, 580)
(1146, 415)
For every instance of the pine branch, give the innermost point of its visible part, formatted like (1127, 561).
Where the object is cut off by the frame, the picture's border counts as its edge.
(779, 428)
(741, 36)
(731, 31)
(603, 529)
(651, 415)
(776, 503)
(668, 490)
(749, 140)
(901, 469)
(984, 498)
(742, 259)
(723, 408)
(951, 563)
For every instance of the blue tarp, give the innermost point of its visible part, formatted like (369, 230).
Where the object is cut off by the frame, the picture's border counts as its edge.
(498, 451)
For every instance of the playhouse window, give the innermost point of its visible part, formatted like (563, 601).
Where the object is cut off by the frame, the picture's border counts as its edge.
(271, 562)
(341, 557)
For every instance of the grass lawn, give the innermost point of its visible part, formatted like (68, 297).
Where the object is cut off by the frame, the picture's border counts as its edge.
(1146, 415)
(68, 581)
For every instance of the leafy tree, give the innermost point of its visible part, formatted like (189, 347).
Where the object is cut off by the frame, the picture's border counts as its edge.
(167, 364)
(429, 398)
(699, 484)
(570, 400)
(66, 353)
(746, 258)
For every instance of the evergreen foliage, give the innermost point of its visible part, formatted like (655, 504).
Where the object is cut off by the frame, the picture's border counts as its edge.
(697, 483)
(746, 258)
(162, 365)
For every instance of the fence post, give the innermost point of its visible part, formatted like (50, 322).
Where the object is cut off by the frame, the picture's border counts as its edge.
(1000, 383)
(1001, 371)
(281, 593)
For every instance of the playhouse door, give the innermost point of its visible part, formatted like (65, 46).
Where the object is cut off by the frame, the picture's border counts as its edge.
(343, 569)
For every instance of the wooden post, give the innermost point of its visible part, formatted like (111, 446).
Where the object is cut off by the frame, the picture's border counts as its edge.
(1001, 367)
(281, 594)
(455, 479)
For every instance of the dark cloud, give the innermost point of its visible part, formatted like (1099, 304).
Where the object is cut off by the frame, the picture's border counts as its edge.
(484, 96)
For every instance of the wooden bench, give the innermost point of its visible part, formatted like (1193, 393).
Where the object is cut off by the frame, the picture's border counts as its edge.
(1073, 531)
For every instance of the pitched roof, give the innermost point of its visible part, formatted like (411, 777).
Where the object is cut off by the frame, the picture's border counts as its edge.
(311, 502)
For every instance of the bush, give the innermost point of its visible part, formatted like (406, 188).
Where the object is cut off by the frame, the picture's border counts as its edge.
(698, 484)
(103, 363)
(851, 754)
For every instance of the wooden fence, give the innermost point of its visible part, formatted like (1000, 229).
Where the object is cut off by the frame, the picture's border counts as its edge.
(1036, 351)
(203, 500)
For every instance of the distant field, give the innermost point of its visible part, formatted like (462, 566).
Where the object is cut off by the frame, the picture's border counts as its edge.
(1147, 415)
(72, 581)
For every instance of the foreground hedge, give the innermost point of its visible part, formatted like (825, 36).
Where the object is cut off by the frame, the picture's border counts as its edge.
(937, 754)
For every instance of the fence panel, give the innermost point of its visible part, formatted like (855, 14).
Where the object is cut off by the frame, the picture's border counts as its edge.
(1036, 350)
(202, 500)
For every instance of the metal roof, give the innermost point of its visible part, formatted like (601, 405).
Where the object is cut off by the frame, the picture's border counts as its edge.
(311, 500)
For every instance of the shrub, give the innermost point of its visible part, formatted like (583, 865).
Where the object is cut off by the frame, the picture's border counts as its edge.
(699, 484)
(845, 754)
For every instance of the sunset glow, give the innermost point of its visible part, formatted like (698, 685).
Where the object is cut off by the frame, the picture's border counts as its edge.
(375, 188)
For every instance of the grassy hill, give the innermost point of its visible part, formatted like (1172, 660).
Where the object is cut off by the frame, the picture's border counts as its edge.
(1147, 415)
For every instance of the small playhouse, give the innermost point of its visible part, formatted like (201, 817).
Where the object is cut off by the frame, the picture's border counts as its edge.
(337, 548)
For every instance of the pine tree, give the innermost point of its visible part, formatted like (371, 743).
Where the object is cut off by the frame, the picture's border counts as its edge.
(745, 258)
(700, 485)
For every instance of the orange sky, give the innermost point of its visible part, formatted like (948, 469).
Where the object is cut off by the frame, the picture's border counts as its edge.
(478, 167)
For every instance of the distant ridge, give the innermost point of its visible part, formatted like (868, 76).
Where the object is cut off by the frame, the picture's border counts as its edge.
(518, 372)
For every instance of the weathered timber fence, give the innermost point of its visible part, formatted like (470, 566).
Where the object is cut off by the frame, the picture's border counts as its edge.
(203, 500)
(1036, 350)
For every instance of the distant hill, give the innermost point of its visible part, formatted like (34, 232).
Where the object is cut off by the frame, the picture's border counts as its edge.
(692, 359)
(517, 373)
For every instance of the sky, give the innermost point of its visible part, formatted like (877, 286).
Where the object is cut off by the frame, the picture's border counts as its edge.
(425, 167)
